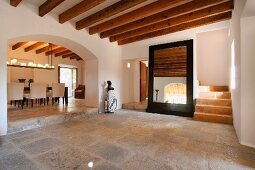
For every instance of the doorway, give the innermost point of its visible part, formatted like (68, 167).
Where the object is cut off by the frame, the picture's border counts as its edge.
(143, 80)
(69, 77)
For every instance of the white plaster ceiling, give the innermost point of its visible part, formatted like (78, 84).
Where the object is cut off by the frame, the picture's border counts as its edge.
(70, 3)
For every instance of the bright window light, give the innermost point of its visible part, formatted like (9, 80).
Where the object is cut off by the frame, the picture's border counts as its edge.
(232, 67)
(128, 65)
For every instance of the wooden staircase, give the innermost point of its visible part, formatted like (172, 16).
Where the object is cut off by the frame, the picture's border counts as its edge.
(214, 105)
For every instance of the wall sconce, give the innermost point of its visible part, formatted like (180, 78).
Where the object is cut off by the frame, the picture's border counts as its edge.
(128, 65)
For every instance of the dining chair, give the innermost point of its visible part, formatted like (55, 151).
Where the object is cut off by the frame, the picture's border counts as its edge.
(15, 92)
(37, 91)
(58, 90)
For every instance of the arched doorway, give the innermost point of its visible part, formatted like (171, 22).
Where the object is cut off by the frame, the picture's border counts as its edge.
(175, 93)
(85, 70)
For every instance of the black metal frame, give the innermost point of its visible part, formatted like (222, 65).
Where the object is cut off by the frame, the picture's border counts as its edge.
(186, 110)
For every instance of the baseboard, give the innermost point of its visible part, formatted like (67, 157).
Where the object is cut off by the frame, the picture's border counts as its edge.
(247, 144)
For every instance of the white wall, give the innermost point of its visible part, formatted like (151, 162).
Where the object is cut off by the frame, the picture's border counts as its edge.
(235, 36)
(23, 24)
(39, 75)
(140, 49)
(3, 87)
(161, 82)
(131, 80)
(213, 58)
(128, 81)
(91, 83)
(248, 81)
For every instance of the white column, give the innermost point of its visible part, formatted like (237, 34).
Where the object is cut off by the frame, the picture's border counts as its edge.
(3, 87)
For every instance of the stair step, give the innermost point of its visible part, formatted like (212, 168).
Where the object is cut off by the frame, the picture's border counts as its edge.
(214, 95)
(208, 117)
(219, 88)
(135, 106)
(213, 88)
(222, 110)
(215, 102)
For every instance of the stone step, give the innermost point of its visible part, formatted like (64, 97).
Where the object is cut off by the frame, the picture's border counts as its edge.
(219, 88)
(213, 89)
(214, 95)
(135, 106)
(130, 106)
(36, 122)
(222, 110)
(214, 102)
(215, 118)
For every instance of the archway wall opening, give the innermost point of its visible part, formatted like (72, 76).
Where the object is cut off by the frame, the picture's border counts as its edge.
(102, 58)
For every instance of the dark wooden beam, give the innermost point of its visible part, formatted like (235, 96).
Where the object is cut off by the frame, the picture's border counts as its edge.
(181, 27)
(78, 9)
(48, 5)
(203, 13)
(168, 61)
(107, 12)
(139, 13)
(78, 59)
(63, 53)
(41, 50)
(57, 50)
(164, 15)
(18, 45)
(74, 57)
(171, 67)
(35, 45)
(69, 55)
(15, 3)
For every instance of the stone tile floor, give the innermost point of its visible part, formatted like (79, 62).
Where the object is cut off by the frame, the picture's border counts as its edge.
(127, 140)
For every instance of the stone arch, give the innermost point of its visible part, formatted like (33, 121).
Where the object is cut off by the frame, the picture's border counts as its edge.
(91, 61)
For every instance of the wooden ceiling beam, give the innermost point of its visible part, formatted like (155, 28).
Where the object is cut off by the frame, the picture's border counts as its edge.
(170, 71)
(171, 75)
(167, 14)
(15, 3)
(41, 50)
(48, 5)
(159, 53)
(139, 13)
(172, 55)
(181, 66)
(203, 13)
(74, 57)
(172, 62)
(18, 45)
(170, 59)
(181, 27)
(69, 55)
(57, 50)
(78, 9)
(35, 45)
(63, 53)
(107, 12)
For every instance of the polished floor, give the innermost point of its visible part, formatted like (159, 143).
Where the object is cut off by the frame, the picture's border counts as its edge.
(127, 140)
(17, 114)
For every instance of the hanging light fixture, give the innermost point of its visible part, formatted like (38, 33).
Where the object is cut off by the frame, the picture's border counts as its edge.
(15, 63)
